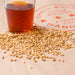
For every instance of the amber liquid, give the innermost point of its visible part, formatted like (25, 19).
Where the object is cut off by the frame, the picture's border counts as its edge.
(20, 17)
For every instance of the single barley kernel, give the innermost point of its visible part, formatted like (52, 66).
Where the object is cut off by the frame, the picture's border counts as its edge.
(34, 58)
(15, 60)
(7, 49)
(30, 67)
(54, 59)
(17, 56)
(11, 60)
(10, 54)
(49, 57)
(21, 56)
(28, 57)
(62, 54)
(4, 52)
(13, 55)
(16, 50)
(24, 62)
(38, 57)
(35, 61)
(59, 60)
(42, 56)
(56, 54)
(3, 57)
(43, 59)
(62, 60)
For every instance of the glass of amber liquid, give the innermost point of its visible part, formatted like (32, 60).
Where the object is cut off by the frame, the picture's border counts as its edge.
(20, 15)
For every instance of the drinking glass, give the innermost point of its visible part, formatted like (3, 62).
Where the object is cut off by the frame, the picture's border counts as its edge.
(20, 15)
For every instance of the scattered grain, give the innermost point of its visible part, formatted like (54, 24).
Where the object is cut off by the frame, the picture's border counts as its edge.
(36, 44)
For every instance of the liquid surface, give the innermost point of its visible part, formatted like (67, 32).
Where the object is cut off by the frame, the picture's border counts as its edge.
(19, 6)
(20, 17)
(19, 2)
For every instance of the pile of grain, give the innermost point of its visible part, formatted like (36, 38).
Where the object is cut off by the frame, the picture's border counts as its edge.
(40, 43)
